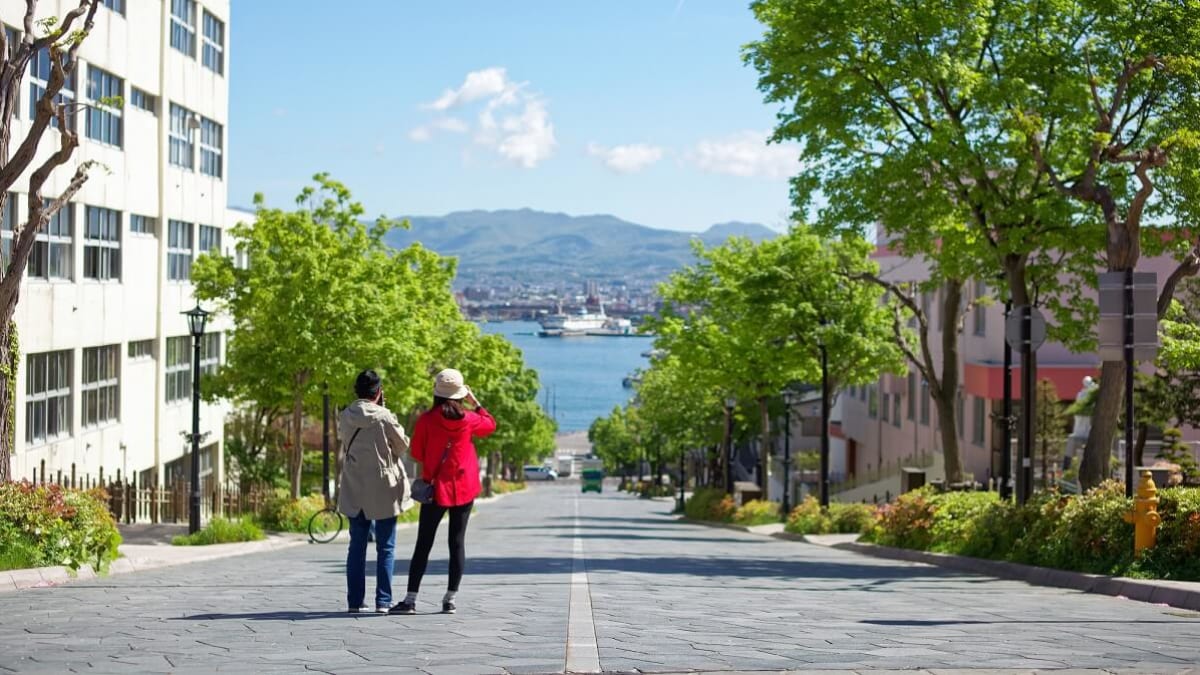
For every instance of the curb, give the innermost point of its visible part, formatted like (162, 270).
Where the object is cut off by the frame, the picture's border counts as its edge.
(1175, 594)
(43, 577)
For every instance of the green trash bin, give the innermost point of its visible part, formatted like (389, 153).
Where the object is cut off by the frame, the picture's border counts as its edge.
(592, 480)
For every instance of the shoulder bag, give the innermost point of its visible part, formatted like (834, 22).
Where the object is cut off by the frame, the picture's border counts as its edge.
(422, 490)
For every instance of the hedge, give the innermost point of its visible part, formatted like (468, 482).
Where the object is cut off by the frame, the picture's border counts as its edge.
(809, 518)
(1083, 533)
(46, 525)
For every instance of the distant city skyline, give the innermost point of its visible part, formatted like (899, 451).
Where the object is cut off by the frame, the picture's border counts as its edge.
(646, 113)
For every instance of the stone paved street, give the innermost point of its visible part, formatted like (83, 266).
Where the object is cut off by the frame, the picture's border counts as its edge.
(663, 597)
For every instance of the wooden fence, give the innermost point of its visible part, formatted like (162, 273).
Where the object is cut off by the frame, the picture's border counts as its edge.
(131, 502)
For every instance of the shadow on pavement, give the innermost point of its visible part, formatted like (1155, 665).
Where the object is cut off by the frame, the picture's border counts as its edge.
(655, 537)
(274, 616)
(973, 622)
(692, 566)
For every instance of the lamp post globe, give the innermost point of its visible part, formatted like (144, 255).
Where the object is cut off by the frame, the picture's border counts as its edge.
(197, 317)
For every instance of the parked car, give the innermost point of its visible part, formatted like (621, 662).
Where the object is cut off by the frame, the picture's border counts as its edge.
(533, 472)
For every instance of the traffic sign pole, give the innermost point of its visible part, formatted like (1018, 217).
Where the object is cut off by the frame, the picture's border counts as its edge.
(1129, 382)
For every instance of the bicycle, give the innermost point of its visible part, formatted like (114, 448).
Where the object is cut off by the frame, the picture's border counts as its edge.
(325, 525)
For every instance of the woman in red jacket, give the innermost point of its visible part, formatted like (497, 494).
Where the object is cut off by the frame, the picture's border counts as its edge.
(441, 442)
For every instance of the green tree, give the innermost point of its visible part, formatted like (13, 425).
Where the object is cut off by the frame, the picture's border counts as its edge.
(323, 297)
(994, 137)
(61, 39)
(612, 441)
(1050, 428)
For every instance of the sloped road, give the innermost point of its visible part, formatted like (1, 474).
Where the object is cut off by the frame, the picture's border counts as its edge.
(559, 580)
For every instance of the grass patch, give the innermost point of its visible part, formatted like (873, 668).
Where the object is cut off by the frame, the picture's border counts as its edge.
(221, 531)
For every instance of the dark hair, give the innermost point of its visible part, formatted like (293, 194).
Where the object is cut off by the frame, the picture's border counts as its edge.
(367, 384)
(452, 408)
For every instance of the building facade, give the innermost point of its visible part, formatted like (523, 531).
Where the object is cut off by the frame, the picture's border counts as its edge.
(105, 376)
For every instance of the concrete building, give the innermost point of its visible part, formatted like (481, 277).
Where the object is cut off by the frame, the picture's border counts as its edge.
(878, 428)
(105, 373)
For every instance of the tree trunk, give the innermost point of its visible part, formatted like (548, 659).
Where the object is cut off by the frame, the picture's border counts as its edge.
(764, 451)
(10, 354)
(1139, 448)
(947, 393)
(296, 460)
(1097, 454)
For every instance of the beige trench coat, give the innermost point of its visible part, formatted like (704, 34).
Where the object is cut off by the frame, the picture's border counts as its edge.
(373, 480)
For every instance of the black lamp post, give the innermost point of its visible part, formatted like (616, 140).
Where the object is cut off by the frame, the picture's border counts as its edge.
(824, 486)
(196, 320)
(789, 398)
(729, 404)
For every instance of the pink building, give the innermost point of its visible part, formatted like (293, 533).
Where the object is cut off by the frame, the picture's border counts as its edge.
(888, 424)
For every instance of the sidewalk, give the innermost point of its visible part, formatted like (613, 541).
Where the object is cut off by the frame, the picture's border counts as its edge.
(1179, 594)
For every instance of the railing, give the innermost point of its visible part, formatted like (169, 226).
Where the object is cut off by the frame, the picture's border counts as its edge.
(130, 502)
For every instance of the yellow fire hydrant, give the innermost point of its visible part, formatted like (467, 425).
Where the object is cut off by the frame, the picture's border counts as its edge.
(1144, 516)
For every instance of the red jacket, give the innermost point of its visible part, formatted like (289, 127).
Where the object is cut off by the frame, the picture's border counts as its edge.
(457, 479)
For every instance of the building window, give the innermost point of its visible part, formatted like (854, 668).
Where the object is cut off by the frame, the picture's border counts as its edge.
(210, 353)
(182, 150)
(183, 26)
(51, 255)
(102, 244)
(896, 410)
(213, 55)
(179, 250)
(117, 6)
(912, 396)
(101, 387)
(141, 350)
(103, 122)
(6, 230)
(979, 311)
(47, 397)
(872, 402)
(883, 409)
(142, 224)
(926, 397)
(39, 78)
(142, 100)
(211, 144)
(179, 368)
(210, 239)
(979, 419)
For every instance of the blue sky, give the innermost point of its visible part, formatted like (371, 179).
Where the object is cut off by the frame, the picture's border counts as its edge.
(638, 108)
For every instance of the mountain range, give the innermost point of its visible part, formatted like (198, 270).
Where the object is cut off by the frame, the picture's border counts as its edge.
(529, 246)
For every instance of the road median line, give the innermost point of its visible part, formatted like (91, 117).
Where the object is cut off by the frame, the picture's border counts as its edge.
(582, 652)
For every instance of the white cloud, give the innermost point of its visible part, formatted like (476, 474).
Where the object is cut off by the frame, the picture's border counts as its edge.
(626, 158)
(479, 84)
(425, 132)
(513, 122)
(746, 154)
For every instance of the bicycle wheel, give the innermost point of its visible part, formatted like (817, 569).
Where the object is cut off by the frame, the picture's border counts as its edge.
(324, 526)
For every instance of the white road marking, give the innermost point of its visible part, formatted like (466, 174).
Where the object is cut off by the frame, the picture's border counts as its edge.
(583, 655)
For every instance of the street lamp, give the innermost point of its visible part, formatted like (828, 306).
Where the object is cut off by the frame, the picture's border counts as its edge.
(789, 399)
(824, 486)
(729, 404)
(196, 320)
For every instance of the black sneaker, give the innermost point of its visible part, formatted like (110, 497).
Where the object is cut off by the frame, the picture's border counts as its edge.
(448, 607)
(403, 607)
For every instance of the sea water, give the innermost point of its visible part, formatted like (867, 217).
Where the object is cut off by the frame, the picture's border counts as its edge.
(581, 376)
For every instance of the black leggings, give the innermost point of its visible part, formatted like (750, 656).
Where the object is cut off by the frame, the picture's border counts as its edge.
(431, 517)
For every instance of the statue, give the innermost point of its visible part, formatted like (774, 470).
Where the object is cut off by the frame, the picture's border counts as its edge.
(1083, 423)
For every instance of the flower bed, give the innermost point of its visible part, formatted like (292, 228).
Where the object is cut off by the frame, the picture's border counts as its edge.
(809, 518)
(46, 525)
(1084, 533)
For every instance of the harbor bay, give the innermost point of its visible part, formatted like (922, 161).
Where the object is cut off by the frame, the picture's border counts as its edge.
(580, 375)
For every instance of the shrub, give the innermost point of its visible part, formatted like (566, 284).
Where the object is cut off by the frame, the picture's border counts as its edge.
(809, 518)
(43, 525)
(281, 513)
(906, 523)
(757, 512)
(852, 518)
(710, 504)
(1177, 555)
(501, 487)
(955, 517)
(221, 531)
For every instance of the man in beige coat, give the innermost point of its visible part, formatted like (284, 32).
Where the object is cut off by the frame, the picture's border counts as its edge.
(374, 488)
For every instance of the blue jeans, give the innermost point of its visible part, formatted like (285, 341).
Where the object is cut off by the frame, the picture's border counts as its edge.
(356, 560)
